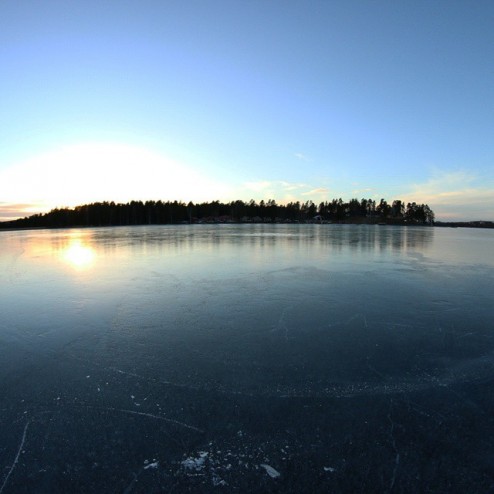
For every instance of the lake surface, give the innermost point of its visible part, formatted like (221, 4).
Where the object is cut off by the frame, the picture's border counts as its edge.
(247, 358)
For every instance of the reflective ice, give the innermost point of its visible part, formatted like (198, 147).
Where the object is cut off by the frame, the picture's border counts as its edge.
(228, 336)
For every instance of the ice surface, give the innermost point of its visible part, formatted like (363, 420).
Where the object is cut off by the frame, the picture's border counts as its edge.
(336, 353)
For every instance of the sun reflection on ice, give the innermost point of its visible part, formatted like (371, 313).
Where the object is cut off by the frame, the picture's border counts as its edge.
(78, 255)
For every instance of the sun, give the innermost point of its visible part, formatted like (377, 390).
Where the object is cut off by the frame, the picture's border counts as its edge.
(110, 171)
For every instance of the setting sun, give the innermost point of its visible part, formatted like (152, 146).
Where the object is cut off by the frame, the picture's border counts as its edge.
(92, 172)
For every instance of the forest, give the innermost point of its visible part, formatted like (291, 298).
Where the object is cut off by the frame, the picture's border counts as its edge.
(159, 212)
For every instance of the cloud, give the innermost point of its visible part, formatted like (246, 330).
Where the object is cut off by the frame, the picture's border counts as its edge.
(362, 191)
(259, 186)
(10, 211)
(301, 157)
(273, 185)
(287, 186)
(317, 191)
(7, 205)
(454, 195)
(283, 191)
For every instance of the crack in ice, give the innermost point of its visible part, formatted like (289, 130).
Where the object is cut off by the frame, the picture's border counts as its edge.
(393, 444)
(150, 415)
(16, 457)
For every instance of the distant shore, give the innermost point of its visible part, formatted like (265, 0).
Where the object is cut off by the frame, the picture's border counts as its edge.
(439, 224)
(465, 224)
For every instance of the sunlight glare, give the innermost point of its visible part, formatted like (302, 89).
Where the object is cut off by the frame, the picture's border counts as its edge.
(93, 171)
(78, 255)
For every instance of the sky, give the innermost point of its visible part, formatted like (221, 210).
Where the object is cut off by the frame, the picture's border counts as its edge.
(247, 99)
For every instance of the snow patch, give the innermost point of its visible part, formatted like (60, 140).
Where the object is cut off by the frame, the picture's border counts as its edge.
(270, 470)
(197, 463)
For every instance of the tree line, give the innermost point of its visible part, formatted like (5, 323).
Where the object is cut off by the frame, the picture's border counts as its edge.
(176, 212)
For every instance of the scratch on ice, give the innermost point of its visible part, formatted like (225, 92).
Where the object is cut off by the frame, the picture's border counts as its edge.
(150, 415)
(16, 457)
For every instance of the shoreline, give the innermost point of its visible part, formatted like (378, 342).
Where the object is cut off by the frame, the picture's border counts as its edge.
(438, 224)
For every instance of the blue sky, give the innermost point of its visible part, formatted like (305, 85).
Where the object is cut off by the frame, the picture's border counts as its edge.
(271, 99)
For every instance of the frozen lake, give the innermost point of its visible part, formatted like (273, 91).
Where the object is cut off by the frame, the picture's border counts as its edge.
(247, 358)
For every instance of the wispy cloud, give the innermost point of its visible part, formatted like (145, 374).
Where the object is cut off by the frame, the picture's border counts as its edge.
(266, 185)
(283, 191)
(9, 211)
(293, 186)
(301, 156)
(259, 186)
(365, 190)
(316, 192)
(454, 195)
